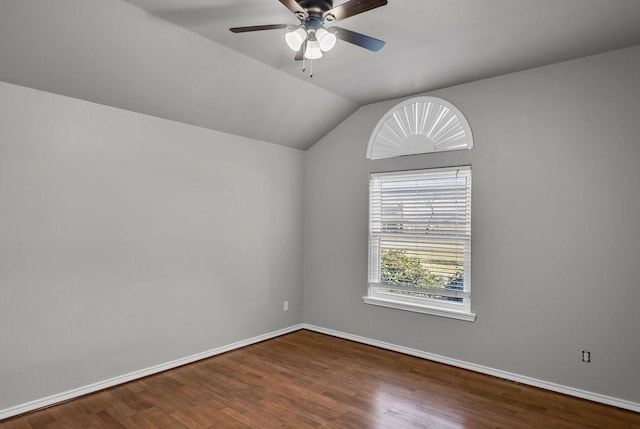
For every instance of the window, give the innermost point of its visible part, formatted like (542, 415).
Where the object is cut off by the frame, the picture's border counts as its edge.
(420, 125)
(420, 241)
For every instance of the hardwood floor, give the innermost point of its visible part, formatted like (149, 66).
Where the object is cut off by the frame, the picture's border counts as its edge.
(310, 380)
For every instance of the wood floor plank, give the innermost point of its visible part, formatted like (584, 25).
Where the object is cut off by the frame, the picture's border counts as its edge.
(307, 380)
(41, 419)
(109, 420)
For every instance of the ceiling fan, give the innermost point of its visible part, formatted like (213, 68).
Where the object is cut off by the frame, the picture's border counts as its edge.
(311, 38)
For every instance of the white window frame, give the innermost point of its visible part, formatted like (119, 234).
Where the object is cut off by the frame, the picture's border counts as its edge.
(378, 293)
(420, 125)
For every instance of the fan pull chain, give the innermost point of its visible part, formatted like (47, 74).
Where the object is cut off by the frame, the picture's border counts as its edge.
(304, 57)
(304, 61)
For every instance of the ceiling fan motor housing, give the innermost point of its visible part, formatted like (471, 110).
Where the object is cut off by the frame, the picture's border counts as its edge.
(316, 6)
(315, 10)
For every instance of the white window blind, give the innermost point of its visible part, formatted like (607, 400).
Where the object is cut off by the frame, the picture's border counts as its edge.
(420, 237)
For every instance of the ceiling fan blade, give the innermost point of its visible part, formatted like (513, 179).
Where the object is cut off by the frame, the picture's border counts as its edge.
(300, 53)
(294, 7)
(258, 28)
(359, 39)
(354, 7)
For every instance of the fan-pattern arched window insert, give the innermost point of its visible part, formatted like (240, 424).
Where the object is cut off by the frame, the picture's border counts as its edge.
(420, 125)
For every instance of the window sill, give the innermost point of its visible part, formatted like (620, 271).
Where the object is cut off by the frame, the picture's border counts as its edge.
(443, 312)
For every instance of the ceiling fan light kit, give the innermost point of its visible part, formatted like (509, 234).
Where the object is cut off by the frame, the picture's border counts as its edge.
(310, 38)
(326, 39)
(313, 51)
(296, 38)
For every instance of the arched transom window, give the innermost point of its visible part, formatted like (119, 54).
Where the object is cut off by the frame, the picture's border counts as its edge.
(420, 125)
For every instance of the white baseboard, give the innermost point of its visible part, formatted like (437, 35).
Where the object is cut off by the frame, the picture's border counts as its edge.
(74, 393)
(571, 391)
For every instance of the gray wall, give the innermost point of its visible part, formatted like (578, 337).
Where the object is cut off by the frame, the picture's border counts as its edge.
(128, 241)
(555, 231)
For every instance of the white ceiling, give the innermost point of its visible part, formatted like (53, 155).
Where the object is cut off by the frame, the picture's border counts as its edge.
(176, 59)
(429, 43)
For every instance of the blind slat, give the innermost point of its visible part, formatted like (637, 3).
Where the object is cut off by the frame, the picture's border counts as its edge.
(424, 290)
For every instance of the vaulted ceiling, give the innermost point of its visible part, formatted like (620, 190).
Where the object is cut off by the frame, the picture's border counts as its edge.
(176, 59)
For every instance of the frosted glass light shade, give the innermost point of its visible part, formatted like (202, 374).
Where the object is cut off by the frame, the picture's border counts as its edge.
(296, 38)
(313, 51)
(420, 125)
(325, 39)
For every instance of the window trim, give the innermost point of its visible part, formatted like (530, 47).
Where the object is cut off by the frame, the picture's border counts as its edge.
(441, 308)
(419, 308)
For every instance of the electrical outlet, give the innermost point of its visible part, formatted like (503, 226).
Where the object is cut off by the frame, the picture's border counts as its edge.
(586, 356)
(285, 306)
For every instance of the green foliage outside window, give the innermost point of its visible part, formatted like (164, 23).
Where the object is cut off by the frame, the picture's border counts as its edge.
(397, 268)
